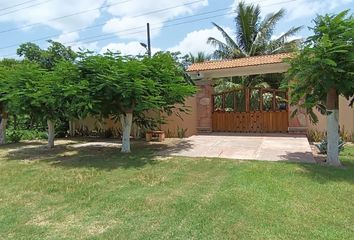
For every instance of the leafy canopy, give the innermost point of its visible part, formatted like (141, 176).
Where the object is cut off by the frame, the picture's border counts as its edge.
(46, 84)
(47, 58)
(125, 84)
(30, 89)
(326, 61)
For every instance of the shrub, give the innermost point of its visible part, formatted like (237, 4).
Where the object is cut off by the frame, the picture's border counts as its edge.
(316, 135)
(322, 147)
(14, 136)
(181, 132)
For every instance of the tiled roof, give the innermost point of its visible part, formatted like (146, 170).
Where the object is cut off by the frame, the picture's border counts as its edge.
(240, 62)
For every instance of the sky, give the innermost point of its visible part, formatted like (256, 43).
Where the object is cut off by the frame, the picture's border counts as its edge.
(120, 25)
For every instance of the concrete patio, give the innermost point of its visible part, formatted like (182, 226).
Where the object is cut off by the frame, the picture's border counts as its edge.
(268, 147)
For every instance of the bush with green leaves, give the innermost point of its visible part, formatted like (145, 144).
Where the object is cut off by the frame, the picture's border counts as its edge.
(322, 146)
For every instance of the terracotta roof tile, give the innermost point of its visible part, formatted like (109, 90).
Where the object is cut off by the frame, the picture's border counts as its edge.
(240, 62)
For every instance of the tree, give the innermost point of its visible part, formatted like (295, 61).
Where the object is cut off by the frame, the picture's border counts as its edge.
(48, 94)
(323, 70)
(253, 35)
(48, 59)
(5, 65)
(123, 86)
(198, 58)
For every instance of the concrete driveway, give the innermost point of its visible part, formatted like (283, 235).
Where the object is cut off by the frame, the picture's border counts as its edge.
(269, 147)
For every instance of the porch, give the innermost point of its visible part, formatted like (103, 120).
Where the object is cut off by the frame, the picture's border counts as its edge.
(246, 110)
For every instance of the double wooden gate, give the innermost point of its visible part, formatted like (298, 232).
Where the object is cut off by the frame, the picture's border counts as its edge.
(250, 110)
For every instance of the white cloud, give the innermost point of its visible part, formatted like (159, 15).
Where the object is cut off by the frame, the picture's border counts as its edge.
(71, 39)
(67, 37)
(131, 48)
(299, 8)
(54, 9)
(130, 15)
(196, 41)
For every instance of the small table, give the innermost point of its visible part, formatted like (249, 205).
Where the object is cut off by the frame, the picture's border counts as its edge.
(158, 135)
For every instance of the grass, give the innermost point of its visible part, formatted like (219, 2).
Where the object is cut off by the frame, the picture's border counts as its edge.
(98, 193)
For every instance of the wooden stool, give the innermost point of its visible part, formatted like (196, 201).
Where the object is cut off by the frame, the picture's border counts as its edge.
(159, 135)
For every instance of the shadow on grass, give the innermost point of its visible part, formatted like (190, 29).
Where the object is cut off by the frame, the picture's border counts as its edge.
(109, 157)
(323, 173)
(300, 157)
(100, 154)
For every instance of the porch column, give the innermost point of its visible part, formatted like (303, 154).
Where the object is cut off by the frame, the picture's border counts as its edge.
(204, 105)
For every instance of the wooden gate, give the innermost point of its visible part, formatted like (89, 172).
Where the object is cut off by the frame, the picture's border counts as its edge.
(250, 110)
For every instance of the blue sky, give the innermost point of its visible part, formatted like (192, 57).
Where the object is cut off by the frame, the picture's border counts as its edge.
(177, 25)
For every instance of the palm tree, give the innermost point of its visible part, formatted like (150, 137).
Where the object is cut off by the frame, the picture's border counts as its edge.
(200, 57)
(253, 35)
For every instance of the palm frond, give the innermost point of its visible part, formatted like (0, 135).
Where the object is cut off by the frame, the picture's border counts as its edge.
(223, 50)
(267, 26)
(291, 32)
(200, 57)
(228, 39)
(265, 32)
(247, 19)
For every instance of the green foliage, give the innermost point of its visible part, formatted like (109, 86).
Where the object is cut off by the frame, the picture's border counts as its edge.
(48, 58)
(121, 84)
(15, 136)
(326, 61)
(253, 81)
(322, 146)
(56, 95)
(50, 85)
(44, 86)
(319, 136)
(253, 34)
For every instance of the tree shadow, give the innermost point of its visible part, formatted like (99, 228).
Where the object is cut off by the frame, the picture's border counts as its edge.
(73, 155)
(95, 153)
(300, 157)
(323, 173)
(177, 147)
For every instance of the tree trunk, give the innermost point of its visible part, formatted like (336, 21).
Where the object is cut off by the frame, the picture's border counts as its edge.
(3, 129)
(51, 133)
(126, 121)
(71, 128)
(332, 128)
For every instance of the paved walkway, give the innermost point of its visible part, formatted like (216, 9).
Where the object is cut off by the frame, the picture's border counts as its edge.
(269, 147)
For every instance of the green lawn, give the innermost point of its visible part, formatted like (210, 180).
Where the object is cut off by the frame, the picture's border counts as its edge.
(98, 193)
